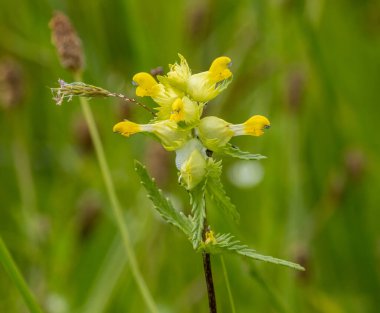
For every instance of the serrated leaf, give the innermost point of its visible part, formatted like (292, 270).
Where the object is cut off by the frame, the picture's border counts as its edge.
(225, 243)
(235, 152)
(215, 190)
(198, 212)
(161, 203)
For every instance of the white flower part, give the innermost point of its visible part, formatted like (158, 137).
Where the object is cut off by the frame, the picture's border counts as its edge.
(191, 163)
(183, 153)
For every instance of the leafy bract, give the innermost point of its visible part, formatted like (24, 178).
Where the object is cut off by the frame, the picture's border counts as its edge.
(235, 152)
(198, 211)
(225, 243)
(215, 190)
(161, 203)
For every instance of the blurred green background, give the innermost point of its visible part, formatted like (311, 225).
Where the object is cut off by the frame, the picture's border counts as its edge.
(312, 67)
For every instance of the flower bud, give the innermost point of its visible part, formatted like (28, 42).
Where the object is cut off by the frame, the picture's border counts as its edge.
(191, 162)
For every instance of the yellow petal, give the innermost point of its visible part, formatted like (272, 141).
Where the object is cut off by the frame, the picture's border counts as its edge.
(146, 85)
(256, 125)
(127, 128)
(210, 238)
(219, 69)
(177, 113)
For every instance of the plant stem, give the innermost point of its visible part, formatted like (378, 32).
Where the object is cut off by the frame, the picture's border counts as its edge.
(14, 273)
(208, 272)
(233, 310)
(209, 282)
(115, 204)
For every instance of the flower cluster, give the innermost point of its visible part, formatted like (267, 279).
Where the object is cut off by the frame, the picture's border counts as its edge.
(181, 97)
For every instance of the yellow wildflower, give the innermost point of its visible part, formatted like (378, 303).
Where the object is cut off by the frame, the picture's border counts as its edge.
(215, 132)
(171, 136)
(207, 85)
(186, 110)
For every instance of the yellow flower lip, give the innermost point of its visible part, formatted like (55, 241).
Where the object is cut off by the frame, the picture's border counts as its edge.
(126, 128)
(256, 125)
(146, 85)
(219, 69)
(177, 113)
(210, 238)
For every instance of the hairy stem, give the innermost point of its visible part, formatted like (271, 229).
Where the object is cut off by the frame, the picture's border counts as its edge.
(115, 204)
(14, 273)
(208, 273)
(209, 282)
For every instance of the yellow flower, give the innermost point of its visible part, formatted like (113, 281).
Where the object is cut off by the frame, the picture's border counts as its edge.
(219, 69)
(186, 110)
(210, 238)
(146, 85)
(207, 85)
(171, 136)
(191, 163)
(254, 126)
(179, 74)
(162, 94)
(215, 132)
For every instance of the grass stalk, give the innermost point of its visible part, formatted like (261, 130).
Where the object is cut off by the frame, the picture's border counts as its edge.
(230, 297)
(15, 275)
(115, 204)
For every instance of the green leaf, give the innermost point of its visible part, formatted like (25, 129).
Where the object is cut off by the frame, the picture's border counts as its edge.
(161, 203)
(198, 211)
(215, 189)
(235, 152)
(226, 243)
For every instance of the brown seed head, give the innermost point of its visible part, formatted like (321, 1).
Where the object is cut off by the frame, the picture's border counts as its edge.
(11, 83)
(67, 42)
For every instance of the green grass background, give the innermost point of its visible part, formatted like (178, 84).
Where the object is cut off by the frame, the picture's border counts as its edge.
(312, 67)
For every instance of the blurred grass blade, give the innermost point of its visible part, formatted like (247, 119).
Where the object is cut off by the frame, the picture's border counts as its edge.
(15, 275)
(228, 286)
(115, 204)
(108, 275)
(272, 296)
